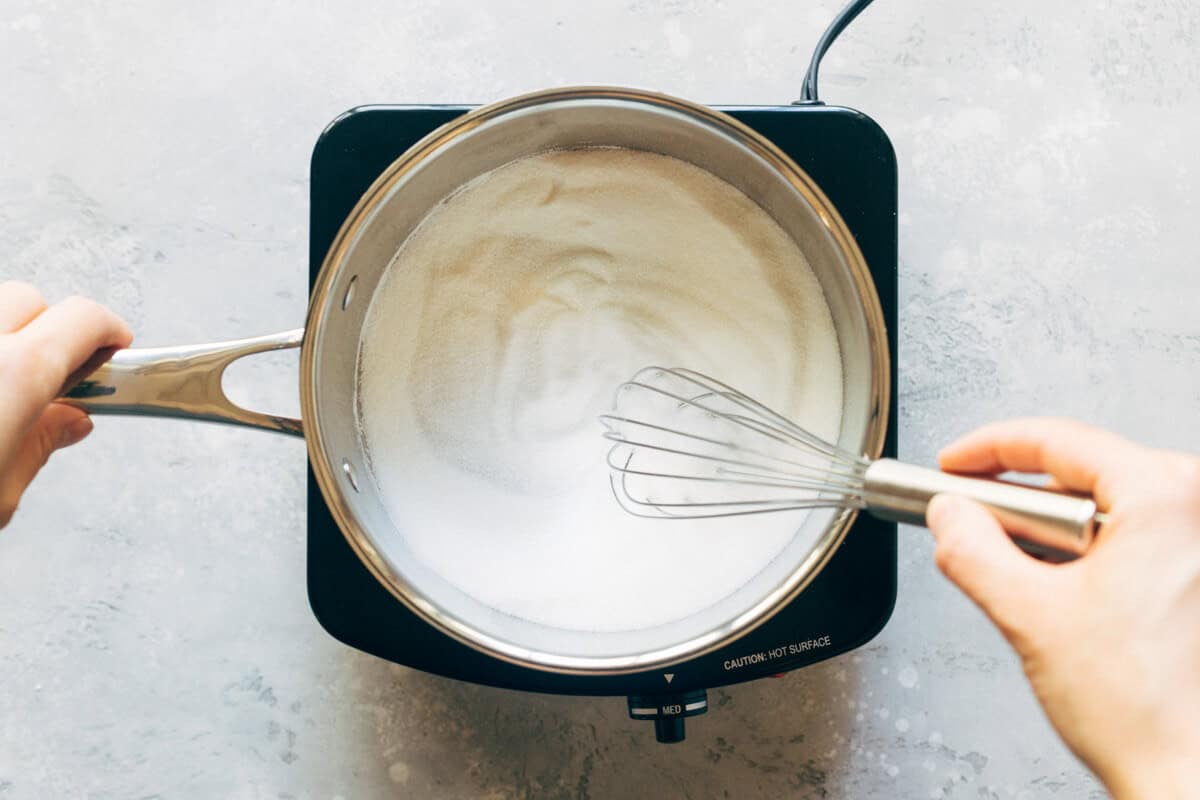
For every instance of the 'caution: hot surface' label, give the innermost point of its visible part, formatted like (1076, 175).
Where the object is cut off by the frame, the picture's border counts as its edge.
(789, 650)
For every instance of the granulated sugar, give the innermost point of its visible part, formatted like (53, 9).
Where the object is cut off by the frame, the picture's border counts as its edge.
(501, 331)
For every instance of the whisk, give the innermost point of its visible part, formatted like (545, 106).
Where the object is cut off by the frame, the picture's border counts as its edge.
(687, 446)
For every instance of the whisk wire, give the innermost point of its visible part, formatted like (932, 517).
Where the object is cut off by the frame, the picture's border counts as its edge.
(796, 432)
(709, 509)
(614, 436)
(783, 431)
(752, 448)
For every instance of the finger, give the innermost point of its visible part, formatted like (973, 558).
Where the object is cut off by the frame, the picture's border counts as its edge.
(1080, 457)
(98, 359)
(975, 553)
(59, 426)
(19, 303)
(60, 340)
(1055, 485)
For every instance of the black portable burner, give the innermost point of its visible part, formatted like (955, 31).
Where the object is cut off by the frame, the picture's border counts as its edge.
(851, 159)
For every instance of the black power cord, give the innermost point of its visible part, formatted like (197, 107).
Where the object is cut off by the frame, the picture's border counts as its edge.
(808, 94)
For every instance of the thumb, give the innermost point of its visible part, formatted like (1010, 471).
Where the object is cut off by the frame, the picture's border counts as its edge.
(976, 554)
(59, 426)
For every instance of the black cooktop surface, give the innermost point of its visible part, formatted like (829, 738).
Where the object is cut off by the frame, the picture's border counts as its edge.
(852, 160)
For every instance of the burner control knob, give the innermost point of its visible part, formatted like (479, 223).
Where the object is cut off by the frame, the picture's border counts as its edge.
(668, 711)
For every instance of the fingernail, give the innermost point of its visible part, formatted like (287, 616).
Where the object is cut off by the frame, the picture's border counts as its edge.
(75, 432)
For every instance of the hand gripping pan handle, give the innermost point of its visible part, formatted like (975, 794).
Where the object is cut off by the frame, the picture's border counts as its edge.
(182, 382)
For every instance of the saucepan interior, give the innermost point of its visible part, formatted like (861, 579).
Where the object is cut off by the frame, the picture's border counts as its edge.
(471, 146)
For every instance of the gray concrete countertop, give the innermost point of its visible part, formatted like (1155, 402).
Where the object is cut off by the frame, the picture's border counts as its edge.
(155, 638)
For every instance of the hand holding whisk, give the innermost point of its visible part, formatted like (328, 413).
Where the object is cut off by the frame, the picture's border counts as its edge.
(687, 446)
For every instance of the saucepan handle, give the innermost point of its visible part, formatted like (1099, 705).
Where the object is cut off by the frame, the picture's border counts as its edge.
(182, 382)
(1050, 524)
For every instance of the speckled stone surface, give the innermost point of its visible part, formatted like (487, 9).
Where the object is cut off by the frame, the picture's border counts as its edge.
(155, 639)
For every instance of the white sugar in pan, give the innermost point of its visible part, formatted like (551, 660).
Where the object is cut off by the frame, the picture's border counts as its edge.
(501, 331)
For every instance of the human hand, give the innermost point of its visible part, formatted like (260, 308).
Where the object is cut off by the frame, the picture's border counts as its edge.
(1110, 642)
(42, 351)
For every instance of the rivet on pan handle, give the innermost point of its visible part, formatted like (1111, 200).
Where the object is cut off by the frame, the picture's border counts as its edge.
(183, 382)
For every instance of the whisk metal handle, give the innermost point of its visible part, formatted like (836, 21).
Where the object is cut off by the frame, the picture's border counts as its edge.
(1043, 522)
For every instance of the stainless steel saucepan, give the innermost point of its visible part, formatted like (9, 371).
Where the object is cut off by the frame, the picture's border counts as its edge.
(186, 381)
